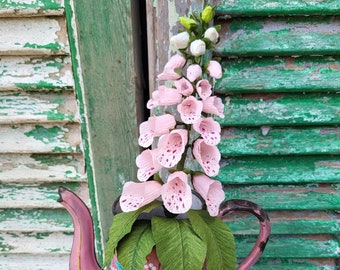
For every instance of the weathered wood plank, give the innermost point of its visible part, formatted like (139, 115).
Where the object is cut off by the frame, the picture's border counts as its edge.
(29, 8)
(35, 220)
(280, 169)
(280, 141)
(36, 243)
(280, 36)
(301, 74)
(35, 261)
(35, 168)
(288, 197)
(43, 107)
(287, 222)
(296, 264)
(236, 8)
(281, 109)
(292, 246)
(33, 36)
(40, 138)
(37, 196)
(34, 73)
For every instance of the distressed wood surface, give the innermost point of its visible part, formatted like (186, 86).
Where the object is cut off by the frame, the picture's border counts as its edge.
(280, 170)
(296, 264)
(20, 196)
(33, 36)
(37, 261)
(288, 197)
(277, 74)
(280, 141)
(41, 168)
(29, 8)
(281, 109)
(44, 138)
(37, 107)
(236, 8)
(280, 36)
(35, 73)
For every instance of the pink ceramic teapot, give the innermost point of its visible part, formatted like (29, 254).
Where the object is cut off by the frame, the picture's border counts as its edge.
(83, 253)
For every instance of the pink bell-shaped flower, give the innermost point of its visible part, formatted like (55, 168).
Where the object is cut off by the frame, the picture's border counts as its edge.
(154, 127)
(171, 147)
(136, 195)
(176, 193)
(203, 88)
(209, 129)
(184, 87)
(164, 96)
(213, 105)
(147, 164)
(177, 61)
(194, 72)
(211, 191)
(215, 69)
(207, 156)
(190, 110)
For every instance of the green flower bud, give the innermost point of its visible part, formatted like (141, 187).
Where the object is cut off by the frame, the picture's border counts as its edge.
(207, 14)
(187, 22)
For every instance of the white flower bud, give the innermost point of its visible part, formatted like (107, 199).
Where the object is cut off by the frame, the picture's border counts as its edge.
(211, 34)
(180, 41)
(197, 47)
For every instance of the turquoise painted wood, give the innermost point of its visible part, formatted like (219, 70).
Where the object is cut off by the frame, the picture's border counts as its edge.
(236, 8)
(280, 74)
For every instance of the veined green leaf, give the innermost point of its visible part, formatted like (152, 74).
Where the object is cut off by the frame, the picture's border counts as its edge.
(121, 226)
(218, 237)
(135, 246)
(178, 247)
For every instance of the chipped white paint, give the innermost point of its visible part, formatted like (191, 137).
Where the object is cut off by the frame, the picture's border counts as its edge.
(32, 36)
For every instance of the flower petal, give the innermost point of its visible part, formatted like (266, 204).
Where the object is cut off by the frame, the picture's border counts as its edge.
(203, 88)
(194, 72)
(184, 87)
(207, 156)
(215, 69)
(176, 193)
(175, 62)
(147, 164)
(136, 195)
(197, 47)
(211, 191)
(190, 110)
(209, 129)
(213, 105)
(171, 147)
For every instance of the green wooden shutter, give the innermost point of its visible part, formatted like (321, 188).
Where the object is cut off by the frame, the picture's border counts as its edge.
(281, 141)
(40, 141)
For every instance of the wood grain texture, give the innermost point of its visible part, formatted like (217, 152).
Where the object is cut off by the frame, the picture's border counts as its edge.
(236, 8)
(280, 36)
(277, 74)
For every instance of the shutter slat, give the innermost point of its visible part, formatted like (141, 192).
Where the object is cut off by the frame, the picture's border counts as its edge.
(288, 197)
(281, 109)
(21, 196)
(298, 246)
(40, 168)
(40, 139)
(35, 220)
(14, 8)
(280, 170)
(280, 141)
(302, 74)
(33, 36)
(237, 8)
(280, 36)
(32, 107)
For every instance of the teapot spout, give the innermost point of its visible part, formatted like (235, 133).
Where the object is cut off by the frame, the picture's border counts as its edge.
(83, 253)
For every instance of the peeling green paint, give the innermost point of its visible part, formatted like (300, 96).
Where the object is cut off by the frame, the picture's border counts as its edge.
(51, 46)
(46, 135)
(43, 85)
(36, 4)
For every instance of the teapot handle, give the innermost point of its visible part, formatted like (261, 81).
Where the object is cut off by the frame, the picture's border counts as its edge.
(230, 206)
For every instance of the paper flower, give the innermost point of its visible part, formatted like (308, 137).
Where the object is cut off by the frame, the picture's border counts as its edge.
(197, 47)
(207, 156)
(169, 73)
(190, 110)
(213, 105)
(194, 72)
(209, 129)
(215, 69)
(164, 96)
(184, 87)
(147, 165)
(203, 88)
(211, 34)
(181, 40)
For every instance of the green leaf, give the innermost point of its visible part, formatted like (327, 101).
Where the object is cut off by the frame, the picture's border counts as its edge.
(218, 237)
(121, 226)
(177, 245)
(135, 246)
